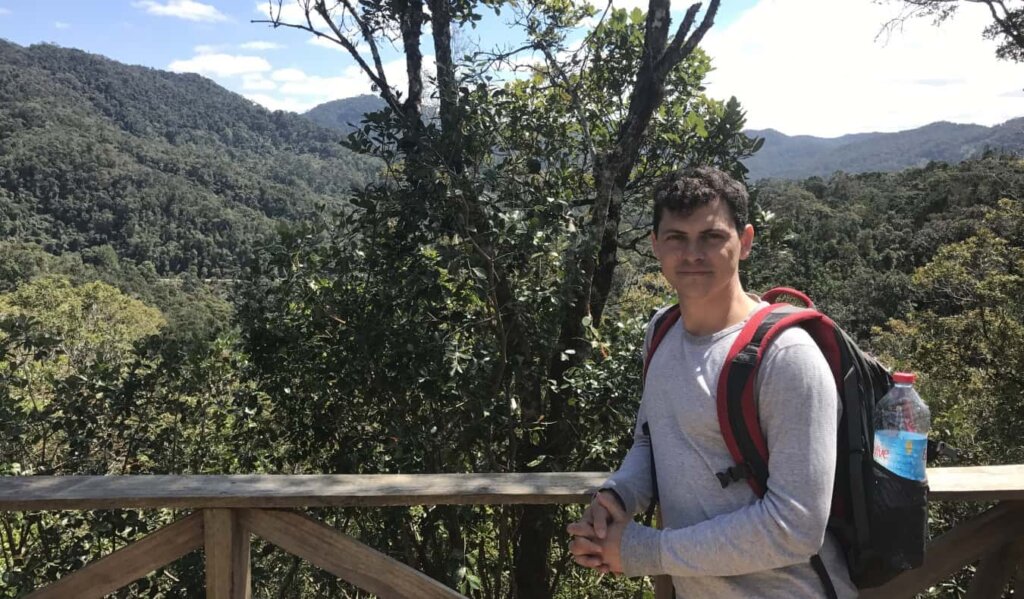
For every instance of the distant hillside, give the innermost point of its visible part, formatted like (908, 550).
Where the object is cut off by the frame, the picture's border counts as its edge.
(164, 168)
(797, 157)
(345, 114)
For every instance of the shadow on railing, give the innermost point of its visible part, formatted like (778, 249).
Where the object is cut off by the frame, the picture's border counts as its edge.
(230, 509)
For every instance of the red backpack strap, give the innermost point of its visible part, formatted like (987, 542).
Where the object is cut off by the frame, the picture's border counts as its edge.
(737, 408)
(662, 326)
(773, 294)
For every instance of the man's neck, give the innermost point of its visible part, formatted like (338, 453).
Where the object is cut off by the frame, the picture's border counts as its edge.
(712, 314)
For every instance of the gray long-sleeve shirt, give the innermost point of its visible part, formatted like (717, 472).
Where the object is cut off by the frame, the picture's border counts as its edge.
(728, 542)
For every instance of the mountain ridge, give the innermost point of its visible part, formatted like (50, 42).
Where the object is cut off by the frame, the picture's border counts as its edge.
(802, 156)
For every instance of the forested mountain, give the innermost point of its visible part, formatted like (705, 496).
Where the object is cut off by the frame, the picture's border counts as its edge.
(797, 157)
(800, 156)
(164, 168)
(344, 114)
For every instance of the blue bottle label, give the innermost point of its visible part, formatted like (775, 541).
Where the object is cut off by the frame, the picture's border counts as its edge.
(902, 452)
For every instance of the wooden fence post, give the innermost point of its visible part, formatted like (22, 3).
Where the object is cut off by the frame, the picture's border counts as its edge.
(228, 575)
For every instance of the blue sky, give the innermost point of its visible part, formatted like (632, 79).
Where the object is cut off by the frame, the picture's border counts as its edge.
(813, 67)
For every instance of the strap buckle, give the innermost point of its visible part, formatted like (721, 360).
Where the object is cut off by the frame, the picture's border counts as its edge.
(733, 474)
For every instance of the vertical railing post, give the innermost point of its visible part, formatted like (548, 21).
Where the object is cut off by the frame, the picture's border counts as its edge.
(228, 575)
(995, 571)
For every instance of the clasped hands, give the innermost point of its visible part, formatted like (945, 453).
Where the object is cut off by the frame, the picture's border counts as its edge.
(597, 536)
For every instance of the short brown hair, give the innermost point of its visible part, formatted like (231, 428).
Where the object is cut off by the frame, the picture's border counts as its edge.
(686, 190)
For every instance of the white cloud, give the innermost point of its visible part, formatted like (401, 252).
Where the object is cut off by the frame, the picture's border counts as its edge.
(274, 103)
(257, 82)
(261, 46)
(183, 9)
(206, 49)
(220, 65)
(62, 25)
(288, 75)
(298, 91)
(815, 67)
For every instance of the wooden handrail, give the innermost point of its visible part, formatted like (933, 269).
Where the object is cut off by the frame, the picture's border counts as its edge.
(17, 493)
(293, 491)
(232, 507)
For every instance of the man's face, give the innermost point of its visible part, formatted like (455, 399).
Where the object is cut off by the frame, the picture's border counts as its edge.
(700, 253)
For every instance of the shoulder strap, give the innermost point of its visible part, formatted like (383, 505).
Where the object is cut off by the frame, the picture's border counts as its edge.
(737, 408)
(662, 326)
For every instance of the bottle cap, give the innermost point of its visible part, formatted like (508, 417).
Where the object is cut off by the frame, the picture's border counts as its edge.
(906, 378)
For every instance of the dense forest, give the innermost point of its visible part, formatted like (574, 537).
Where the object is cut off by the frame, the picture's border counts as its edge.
(169, 170)
(192, 284)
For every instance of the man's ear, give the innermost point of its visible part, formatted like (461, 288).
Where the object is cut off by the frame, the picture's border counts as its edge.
(746, 241)
(654, 243)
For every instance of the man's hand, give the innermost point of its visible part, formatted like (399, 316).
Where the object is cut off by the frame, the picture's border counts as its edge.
(611, 544)
(599, 533)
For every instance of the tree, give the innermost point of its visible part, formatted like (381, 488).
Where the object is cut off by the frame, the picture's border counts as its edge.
(471, 285)
(1007, 27)
(966, 341)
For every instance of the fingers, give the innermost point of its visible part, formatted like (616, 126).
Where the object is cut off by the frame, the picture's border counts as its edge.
(600, 515)
(612, 508)
(586, 552)
(581, 529)
(582, 546)
(590, 561)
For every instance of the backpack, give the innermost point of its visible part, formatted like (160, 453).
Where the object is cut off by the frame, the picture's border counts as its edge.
(880, 518)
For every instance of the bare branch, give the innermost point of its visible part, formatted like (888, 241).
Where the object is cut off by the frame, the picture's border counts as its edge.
(678, 49)
(376, 76)
(321, 8)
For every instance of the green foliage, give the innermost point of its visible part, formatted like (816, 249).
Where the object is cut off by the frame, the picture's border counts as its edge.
(965, 339)
(163, 168)
(853, 241)
(419, 332)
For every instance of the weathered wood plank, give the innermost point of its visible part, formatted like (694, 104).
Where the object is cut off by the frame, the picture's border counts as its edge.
(111, 572)
(995, 571)
(963, 545)
(228, 572)
(292, 491)
(977, 483)
(343, 556)
(986, 483)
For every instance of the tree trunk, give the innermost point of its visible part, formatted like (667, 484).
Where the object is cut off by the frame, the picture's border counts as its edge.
(532, 552)
(597, 262)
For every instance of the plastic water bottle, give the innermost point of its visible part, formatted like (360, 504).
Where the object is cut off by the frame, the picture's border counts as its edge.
(902, 421)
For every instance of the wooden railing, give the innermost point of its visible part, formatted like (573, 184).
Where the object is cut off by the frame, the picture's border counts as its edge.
(230, 509)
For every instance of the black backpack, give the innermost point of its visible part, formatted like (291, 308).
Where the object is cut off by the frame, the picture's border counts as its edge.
(880, 518)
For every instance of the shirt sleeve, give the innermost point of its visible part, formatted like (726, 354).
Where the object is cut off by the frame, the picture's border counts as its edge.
(633, 482)
(799, 412)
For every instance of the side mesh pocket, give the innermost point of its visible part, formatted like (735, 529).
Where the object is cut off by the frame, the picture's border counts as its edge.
(898, 509)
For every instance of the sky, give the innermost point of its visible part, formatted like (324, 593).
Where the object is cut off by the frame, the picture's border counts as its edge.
(802, 67)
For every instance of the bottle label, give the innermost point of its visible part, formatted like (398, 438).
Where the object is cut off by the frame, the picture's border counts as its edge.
(902, 452)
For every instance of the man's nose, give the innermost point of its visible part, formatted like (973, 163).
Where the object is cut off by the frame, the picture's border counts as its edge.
(692, 251)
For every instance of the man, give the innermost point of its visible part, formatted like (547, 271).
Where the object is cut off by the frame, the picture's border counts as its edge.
(720, 542)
